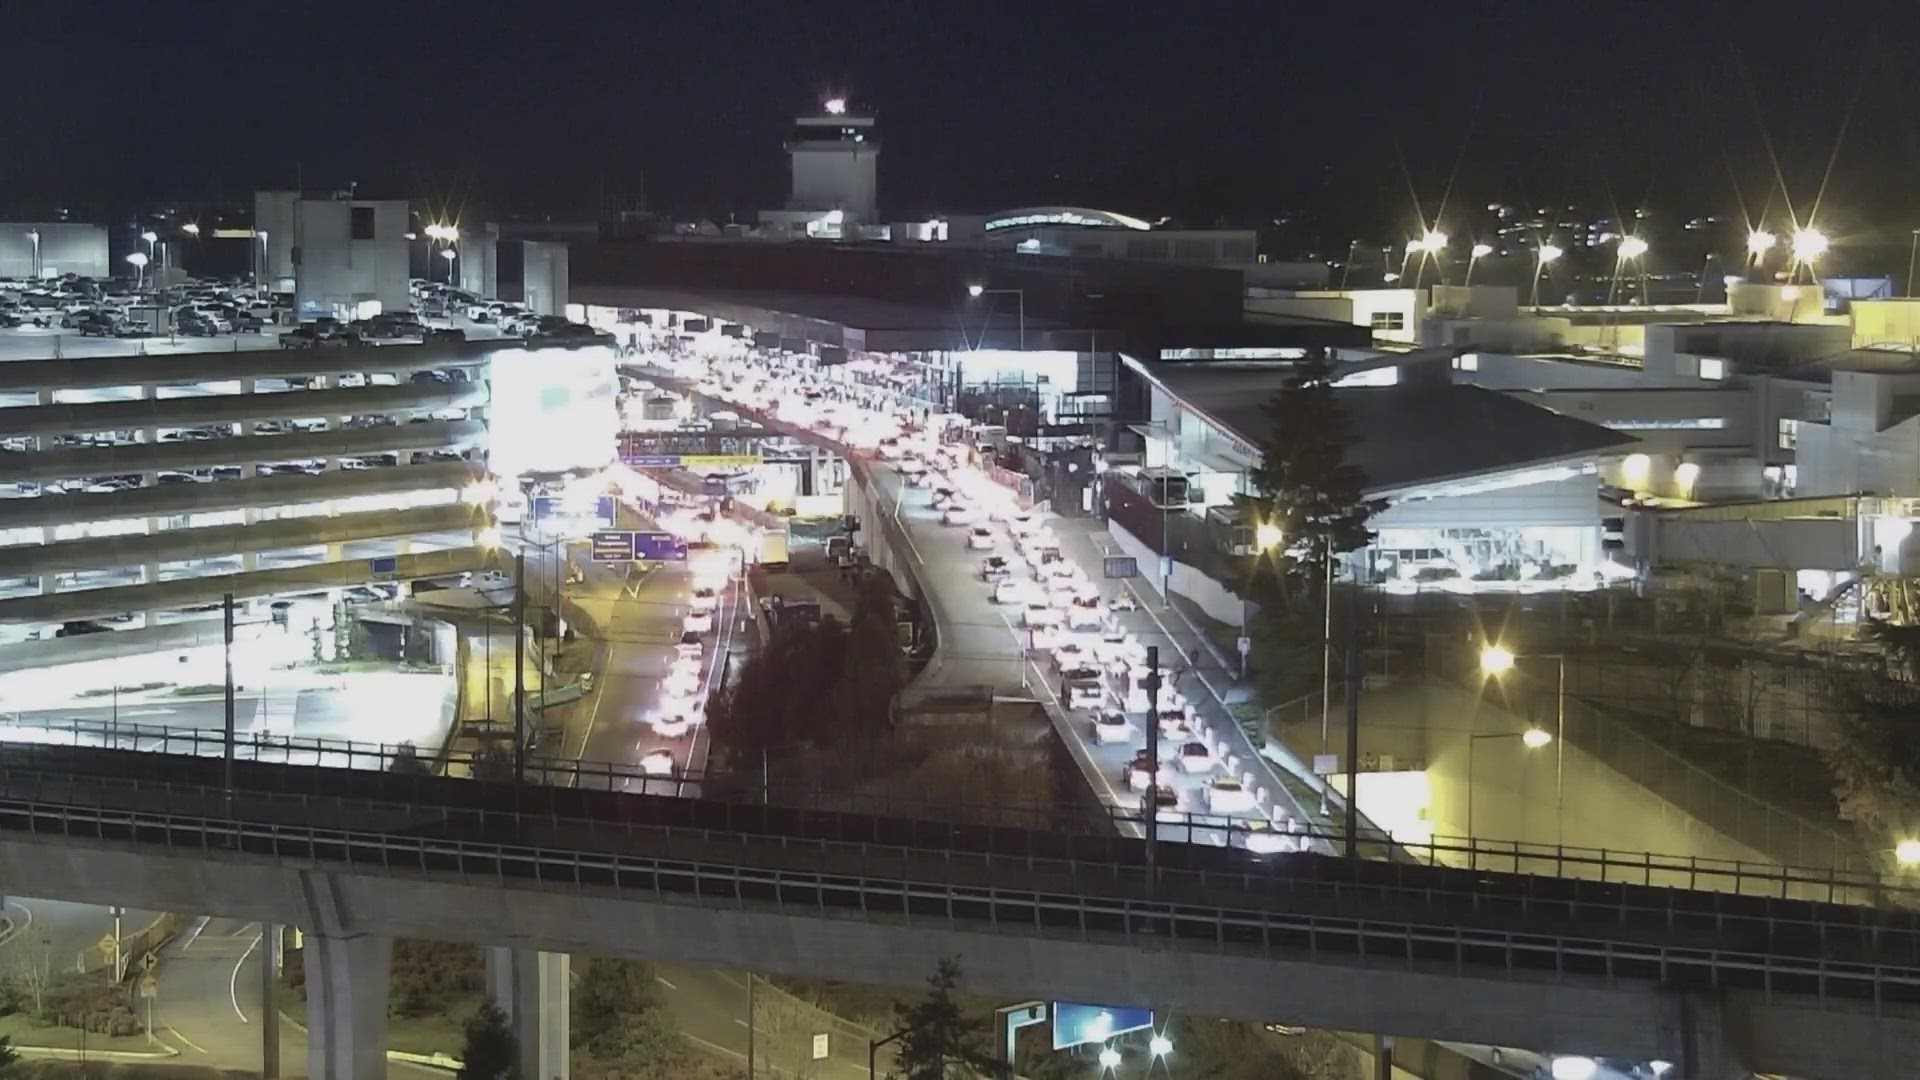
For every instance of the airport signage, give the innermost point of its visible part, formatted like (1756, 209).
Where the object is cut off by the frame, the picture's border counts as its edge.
(384, 566)
(1120, 566)
(659, 546)
(1075, 1024)
(611, 546)
(546, 508)
(691, 461)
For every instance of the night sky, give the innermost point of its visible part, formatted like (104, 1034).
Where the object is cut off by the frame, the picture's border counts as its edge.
(1192, 106)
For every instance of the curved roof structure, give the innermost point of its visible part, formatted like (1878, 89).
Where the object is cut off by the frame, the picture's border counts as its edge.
(1079, 216)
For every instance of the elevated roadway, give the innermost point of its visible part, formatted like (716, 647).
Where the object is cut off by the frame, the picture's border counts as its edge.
(183, 592)
(1718, 983)
(61, 418)
(164, 500)
(68, 462)
(213, 541)
(92, 373)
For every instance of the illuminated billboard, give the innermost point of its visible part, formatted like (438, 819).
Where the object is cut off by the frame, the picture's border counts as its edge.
(1075, 1024)
(552, 411)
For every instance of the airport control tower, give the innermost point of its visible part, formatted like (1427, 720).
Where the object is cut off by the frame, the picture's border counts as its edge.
(833, 154)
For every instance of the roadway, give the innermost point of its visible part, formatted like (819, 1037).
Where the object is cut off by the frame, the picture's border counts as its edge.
(980, 645)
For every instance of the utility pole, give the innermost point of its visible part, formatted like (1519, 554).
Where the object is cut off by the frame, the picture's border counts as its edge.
(750, 1025)
(1353, 722)
(227, 636)
(520, 666)
(1151, 803)
(269, 1012)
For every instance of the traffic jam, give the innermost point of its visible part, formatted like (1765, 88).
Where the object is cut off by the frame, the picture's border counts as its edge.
(1089, 666)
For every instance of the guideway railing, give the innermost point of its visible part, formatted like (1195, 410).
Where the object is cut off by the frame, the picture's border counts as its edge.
(326, 758)
(499, 810)
(1097, 903)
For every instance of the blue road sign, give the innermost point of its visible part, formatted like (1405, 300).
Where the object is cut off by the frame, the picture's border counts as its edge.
(615, 546)
(661, 546)
(1075, 1024)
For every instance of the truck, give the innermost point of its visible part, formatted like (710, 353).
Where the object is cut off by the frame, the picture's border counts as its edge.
(773, 548)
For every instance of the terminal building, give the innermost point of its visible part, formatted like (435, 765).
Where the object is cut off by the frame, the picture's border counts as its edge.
(340, 256)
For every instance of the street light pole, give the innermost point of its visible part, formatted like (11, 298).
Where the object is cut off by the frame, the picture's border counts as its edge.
(520, 666)
(1020, 298)
(873, 1052)
(1151, 804)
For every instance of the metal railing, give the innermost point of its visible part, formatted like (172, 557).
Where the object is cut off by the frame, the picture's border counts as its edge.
(740, 833)
(320, 762)
(1038, 909)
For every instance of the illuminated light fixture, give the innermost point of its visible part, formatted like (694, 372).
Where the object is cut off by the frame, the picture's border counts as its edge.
(1632, 247)
(447, 254)
(1391, 277)
(190, 229)
(1790, 293)
(835, 217)
(836, 106)
(1684, 476)
(1109, 1058)
(1549, 252)
(1159, 1046)
(1659, 1068)
(1733, 279)
(1634, 469)
(1534, 738)
(1267, 536)
(1574, 1068)
(1433, 243)
(477, 492)
(1496, 660)
(150, 236)
(488, 537)
(976, 290)
(1481, 251)
(138, 259)
(1907, 852)
(1809, 244)
(1759, 242)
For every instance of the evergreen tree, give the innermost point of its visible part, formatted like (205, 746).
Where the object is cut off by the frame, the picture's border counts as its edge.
(936, 1034)
(491, 1052)
(1304, 486)
(9, 1057)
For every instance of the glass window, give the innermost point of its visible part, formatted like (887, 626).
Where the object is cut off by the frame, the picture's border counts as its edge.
(1789, 434)
(1389, 320)
(1712, 367)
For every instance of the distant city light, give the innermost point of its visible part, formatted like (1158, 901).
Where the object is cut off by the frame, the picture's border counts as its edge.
(1433, 243)
(975, 290)
(836, 106)
(1759, 242)
(1496, 660)
(1535, 738)
(1907, 852)
(1159, 1046)
(1809, 244)
(1632, 247)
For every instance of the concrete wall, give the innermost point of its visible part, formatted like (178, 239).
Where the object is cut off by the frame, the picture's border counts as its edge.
(1879, 322)
(1220, 603)
(544, 276)
(478, 264)
(336, 274)
(275, 213)
(65, 248)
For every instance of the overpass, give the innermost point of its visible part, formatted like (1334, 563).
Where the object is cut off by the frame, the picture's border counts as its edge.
(1719, 983)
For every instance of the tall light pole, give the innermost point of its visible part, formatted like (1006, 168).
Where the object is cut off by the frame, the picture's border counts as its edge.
(1631, 248)
(34, 235)
(151, 238)
(1542, 256)
(1912, 250)
(1495, 661)
(1532, 738)
(448, 254)
(1478, 252)
(263, 266)
(976, 291)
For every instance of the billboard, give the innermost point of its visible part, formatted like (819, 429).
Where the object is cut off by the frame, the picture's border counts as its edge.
(1075, 1024)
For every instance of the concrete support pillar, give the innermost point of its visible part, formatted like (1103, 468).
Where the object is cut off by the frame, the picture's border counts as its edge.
(1708, 1047)
(336, 552)
(49, 584)
(149, 573)
(1383, 1057)
(269, 1011)
(533, 989)
(247, 385)
(249, 560)
(347, 1006)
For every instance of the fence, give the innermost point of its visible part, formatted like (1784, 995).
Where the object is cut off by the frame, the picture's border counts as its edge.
(1844, 965)
(1778, 805)
(1860, 883)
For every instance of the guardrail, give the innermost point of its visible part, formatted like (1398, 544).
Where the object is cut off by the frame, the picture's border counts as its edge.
(812, 840)
(1039, 909)
(322, 759)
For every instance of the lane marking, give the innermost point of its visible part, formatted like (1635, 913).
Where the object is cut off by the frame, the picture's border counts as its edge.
(19, 927)
(233, 981)
(175, 1032)
(662, 980)
(193, 935)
